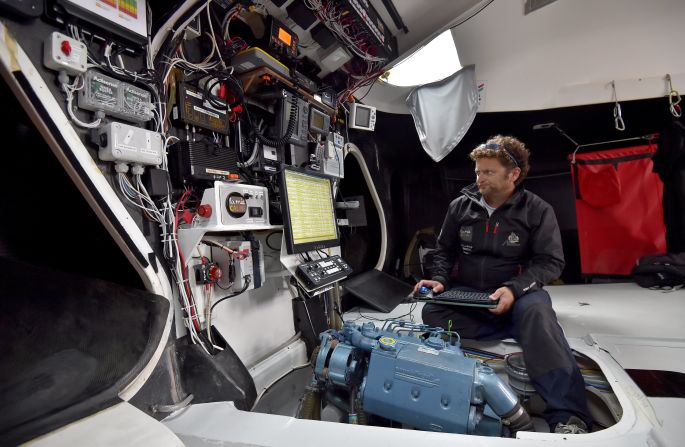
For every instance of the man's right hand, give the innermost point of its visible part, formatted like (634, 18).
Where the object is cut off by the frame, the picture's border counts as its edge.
(434, 285)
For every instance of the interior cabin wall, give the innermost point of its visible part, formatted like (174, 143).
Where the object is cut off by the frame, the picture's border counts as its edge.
(419, 190)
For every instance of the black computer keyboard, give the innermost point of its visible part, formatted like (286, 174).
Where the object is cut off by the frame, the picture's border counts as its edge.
(460, 297)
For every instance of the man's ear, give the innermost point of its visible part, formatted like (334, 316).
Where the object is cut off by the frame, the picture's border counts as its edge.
(514, 174)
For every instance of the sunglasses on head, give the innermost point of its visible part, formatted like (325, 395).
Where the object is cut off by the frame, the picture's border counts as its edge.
(495, 147)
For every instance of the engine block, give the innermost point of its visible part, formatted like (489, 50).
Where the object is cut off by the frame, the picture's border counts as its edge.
(425, 382)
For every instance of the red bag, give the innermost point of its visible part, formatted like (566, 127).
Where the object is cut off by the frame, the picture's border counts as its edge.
(618, 209)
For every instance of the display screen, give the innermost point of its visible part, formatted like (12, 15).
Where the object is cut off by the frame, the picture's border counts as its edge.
(317, 122)
(362, 117)
(236, 205)
(285, 36)
(309, 217)
(127, 16)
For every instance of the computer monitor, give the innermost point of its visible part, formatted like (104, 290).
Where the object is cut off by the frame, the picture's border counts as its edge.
(308, 215)
(362, 117)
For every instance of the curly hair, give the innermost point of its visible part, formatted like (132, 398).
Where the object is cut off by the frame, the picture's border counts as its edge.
(511, 152)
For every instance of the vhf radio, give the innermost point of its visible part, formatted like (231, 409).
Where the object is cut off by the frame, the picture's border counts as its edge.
(281, 41)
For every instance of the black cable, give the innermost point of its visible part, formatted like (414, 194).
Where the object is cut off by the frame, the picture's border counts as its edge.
(412, 308)
(369, 90)
(292, 123)
(267, 240)
(247, 284)
(218, 77)
(475, 13)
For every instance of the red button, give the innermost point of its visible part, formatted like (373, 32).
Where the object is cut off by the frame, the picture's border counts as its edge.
(204, 210)
(66, 47)
(214, 273)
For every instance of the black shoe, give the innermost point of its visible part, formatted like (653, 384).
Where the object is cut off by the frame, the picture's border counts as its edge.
(573, 426)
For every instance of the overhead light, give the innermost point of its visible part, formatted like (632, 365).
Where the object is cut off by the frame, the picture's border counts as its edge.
(435, 61)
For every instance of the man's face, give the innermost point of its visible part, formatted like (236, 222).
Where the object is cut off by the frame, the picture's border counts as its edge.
(493, 178)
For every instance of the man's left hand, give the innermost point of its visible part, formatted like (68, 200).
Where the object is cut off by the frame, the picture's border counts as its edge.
(506, 300)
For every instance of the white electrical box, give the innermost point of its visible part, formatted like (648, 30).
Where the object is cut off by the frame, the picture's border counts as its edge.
(333, 163)
(61, 52)
(120, 142)
(338, 140)
(242, 269)
(249, 272)
(233, 206)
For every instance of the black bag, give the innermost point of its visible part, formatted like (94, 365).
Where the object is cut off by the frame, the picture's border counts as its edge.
(660, 271)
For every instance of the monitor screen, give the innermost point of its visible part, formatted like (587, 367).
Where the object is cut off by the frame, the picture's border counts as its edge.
(308, 215)
(363, 117)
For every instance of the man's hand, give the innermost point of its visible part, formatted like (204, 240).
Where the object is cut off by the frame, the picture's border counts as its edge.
(506, 300)
(435, 285)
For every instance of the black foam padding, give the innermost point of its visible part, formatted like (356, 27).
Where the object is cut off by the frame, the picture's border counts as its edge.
(185, 368)
(216, 378)
(300, 14)
(378, 289)
(70, 344)
(322, 35)
(155, 181)
(310, 320)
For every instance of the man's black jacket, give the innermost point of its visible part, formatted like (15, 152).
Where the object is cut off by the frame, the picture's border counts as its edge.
(519, 246)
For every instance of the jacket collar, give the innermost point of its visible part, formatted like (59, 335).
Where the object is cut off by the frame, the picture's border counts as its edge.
(472, 193)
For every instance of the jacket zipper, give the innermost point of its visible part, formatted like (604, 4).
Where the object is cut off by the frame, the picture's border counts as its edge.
(482, 261)
(494, 247)
(494, 237)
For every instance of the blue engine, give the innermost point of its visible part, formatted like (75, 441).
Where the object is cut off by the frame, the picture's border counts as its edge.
(426, 383)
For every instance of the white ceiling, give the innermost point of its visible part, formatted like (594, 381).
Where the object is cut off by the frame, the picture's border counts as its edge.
(564, 54)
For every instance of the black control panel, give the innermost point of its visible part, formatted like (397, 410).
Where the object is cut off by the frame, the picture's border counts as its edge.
(202, 160)
(321, 272)
(282, 40)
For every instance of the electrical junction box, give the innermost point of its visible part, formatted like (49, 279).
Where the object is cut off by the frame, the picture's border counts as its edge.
(251, 267)
(333, 58)
(61, 52)
(234, 207)
(99, 92)
(332, 163)
(123, 143)
(338, 140)
(116, 98)
(135, 104)
(242, 269)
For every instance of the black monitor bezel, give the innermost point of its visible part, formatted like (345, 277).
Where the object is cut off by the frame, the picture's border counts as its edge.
(291, 246)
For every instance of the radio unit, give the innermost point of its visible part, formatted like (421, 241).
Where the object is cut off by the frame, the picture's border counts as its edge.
(192, 109)
(202, 160)
(282, 41)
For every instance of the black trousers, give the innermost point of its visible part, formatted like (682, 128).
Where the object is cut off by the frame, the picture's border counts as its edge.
(533, 323)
